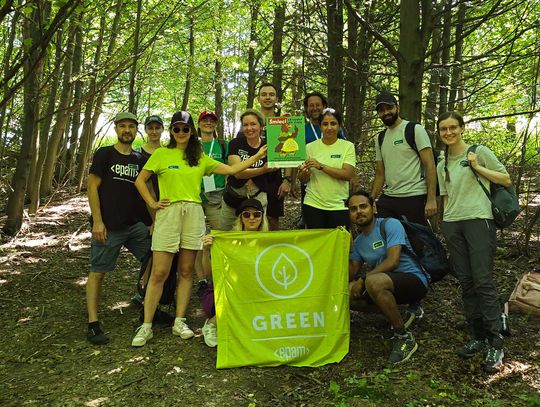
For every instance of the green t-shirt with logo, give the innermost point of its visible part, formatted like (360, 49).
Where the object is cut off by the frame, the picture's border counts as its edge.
(403, 172)
(466, 199)
(177, 180)
(214, 150)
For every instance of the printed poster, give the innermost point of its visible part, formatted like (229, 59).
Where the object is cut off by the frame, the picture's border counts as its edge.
(286, 139)
(281, 297)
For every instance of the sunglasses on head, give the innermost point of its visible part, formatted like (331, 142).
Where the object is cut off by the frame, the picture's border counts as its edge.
(247, 214)
(185, 129)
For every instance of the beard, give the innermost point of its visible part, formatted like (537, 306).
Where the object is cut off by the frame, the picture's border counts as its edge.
(362, 222)
(126, 138)
(389, 121)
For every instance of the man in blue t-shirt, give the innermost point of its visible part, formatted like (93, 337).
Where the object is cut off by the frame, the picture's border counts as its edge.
(393, 276)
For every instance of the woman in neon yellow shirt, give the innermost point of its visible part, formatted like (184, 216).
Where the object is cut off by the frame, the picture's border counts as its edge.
(179, 224)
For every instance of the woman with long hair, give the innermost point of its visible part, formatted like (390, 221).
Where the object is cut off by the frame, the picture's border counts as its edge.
(252, 182)
(327, 171)
(470, 235)
(250, 218)
(179, 224)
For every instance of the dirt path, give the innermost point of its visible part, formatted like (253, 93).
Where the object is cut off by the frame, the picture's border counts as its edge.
(45, 359)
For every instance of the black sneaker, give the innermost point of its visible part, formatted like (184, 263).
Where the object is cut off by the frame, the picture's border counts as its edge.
(472, 347)
(403, 348)
(414, 312)
(96, 336)
(493, 360)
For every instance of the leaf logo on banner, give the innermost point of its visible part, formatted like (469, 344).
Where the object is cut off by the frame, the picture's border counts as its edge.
(280, 271)
(284, 270)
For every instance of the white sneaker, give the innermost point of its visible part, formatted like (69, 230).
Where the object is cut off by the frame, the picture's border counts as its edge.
(209, 331)
(144, 334)
(181, 329)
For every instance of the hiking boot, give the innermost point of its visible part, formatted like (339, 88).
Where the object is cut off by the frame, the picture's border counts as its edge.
(388, 333)
(96, 336)
(143, 335)
(493, 360)
(202, 285)
(209, 331)
(181, 329)
(414, 312)
(137, 300)
(403, 348)
(472, 347)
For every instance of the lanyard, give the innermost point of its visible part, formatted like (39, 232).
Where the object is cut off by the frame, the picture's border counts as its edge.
(314, 132)
(211, 147)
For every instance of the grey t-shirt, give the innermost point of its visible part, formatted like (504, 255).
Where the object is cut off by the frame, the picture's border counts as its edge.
(402, 166)
(466, 199)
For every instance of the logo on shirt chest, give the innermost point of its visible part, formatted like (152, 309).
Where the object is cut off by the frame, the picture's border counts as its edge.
(335, 156)
(378, 244)
(396, 142)
(173, 167)
(129, 170)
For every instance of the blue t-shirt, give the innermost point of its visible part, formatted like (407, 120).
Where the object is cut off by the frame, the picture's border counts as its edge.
(313, 132)
(371, 249)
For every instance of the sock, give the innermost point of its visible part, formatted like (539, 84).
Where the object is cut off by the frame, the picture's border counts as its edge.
(147, 325)
(178, 319)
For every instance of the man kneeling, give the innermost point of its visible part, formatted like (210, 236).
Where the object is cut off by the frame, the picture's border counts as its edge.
(393, 278)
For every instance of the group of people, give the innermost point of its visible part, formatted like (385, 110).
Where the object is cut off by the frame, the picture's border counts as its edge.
(198, 179)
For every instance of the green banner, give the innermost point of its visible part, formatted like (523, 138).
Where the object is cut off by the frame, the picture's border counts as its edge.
(281, 303)
(286, 139)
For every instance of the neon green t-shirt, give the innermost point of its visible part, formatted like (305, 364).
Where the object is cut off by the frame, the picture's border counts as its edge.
(177, 180)
(323, 191)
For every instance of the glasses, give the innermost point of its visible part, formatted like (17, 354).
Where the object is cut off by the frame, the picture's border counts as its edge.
(449, 128)
(247, 214)
(185, 129)
(207, 120)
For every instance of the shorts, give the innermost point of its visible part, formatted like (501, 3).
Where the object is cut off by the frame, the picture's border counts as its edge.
(412, 207)
(408, 289)
(212, 212)
(179, 225)
(135, 238)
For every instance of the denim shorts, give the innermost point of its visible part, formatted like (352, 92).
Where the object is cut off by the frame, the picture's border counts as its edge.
(135, 238)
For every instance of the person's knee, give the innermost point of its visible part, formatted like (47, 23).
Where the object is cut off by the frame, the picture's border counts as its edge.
(376, 284)
(186, 271)
(159, 274)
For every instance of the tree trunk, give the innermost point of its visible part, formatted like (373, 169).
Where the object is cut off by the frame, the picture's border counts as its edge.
(277, 48)
(78, 85)
(335, 53)
(60, 125)
(445, 59)
(187, 88)
(132, 107)
(457, 69)
(34, 63)
(218, 89)
(251, 54)
(41, 146)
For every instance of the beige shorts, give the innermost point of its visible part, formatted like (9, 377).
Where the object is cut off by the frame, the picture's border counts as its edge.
(179, 225)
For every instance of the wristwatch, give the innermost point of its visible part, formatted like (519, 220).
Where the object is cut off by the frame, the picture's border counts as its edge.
(321, 167)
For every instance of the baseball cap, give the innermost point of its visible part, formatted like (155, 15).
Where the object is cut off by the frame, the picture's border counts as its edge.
(249, 203)
(385, 98)
(182, 117)
(153, 119)
(125, 115)
(206, 114)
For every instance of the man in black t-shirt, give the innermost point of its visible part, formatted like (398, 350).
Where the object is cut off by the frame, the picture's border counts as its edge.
(119, 216)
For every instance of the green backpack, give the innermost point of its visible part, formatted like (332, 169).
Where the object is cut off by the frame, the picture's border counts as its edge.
(504, 200)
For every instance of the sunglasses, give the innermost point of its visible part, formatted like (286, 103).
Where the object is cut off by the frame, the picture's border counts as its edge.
(247, 214)
(185, 129)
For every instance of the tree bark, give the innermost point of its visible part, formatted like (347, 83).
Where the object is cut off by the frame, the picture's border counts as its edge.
(133, 71)
(254, 14)
(457, 69)
(218, 89)
(33, 68)
(335, 53)
(277, 47)
(187, 88)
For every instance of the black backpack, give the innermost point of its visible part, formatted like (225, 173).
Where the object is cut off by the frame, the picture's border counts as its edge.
(428, 251)
(169, 287)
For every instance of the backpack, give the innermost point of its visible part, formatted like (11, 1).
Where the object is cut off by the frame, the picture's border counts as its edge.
(428, 251)
(409, 138)
(526, 295)
(169, 287)
(504, 201)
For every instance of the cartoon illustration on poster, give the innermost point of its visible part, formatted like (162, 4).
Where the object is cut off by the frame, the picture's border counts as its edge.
(286, 141)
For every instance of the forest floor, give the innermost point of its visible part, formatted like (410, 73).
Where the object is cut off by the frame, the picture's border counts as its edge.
(46, 360)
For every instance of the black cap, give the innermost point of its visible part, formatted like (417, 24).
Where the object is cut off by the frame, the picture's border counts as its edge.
(182, 117)
(385, 98)
(249, 203)
(153, 119)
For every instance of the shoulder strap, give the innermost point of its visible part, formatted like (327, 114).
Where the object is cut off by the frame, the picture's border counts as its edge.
(409, 136)
(382, 228)
(380, 138)
(472, 149)
(222, 144)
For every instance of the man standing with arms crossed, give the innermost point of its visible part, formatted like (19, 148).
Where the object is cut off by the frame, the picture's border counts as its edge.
(409, 174)
(119, 216)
